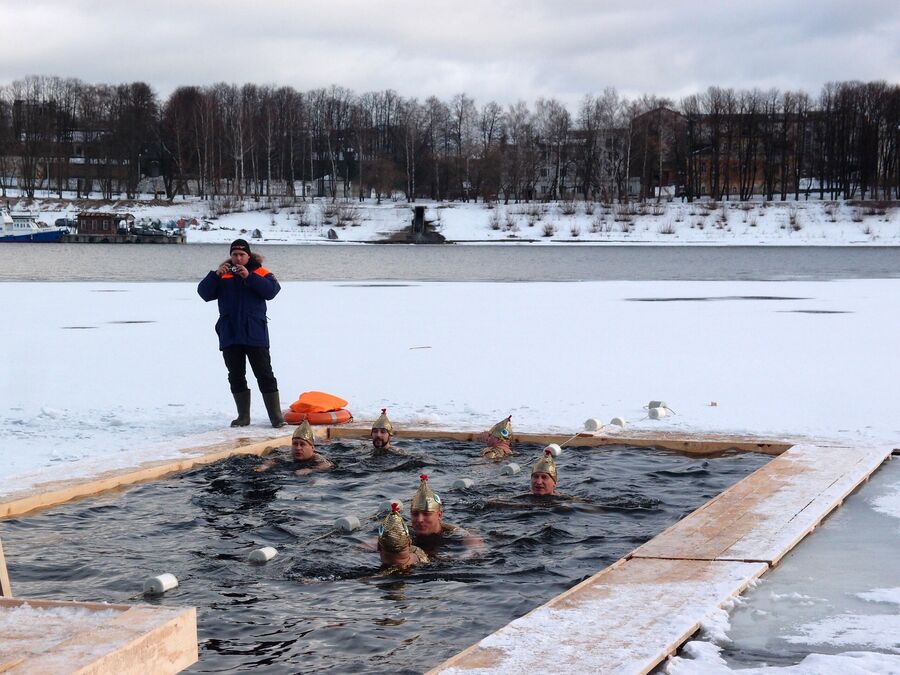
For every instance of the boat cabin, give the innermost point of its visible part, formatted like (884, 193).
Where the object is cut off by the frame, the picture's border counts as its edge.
(96, 222)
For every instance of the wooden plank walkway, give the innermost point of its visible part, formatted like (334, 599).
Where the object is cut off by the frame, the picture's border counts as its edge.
(765, 515)
(631, 616)
(44, 637)
(625, 619)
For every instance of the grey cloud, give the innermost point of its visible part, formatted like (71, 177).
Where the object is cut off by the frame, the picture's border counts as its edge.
(500, 50)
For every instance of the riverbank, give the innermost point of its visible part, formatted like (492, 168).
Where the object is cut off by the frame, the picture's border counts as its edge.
(281, 221)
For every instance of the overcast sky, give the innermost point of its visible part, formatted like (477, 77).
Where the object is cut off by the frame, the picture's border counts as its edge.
(490, 49)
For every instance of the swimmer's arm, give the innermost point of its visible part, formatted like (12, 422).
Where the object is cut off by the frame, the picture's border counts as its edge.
(322, 464)
(265, 466)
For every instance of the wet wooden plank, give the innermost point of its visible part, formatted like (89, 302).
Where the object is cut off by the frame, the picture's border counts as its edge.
(47, 495)
(625, 619)
(67, 637)
(5, 586)
(765, 515)
(694, 444)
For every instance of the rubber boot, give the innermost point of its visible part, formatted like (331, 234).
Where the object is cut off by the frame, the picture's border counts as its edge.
(273, 407)
(242, 401)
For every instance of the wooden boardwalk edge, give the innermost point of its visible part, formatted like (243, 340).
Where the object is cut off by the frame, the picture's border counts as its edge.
(138, 639)
(627, 618)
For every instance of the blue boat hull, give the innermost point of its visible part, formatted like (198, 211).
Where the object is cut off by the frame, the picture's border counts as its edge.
(54, 235)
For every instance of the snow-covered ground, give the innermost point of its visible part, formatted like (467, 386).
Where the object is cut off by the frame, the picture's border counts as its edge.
(116, 373)
(724, 223)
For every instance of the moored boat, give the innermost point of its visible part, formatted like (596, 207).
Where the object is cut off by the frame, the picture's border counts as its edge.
(24, 228)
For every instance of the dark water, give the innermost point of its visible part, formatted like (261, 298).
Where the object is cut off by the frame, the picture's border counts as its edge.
(321, 605)
(162, 262)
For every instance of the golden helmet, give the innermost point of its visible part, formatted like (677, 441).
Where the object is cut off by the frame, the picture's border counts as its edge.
(545, 465)
(383, 422)
(305, 432)
(503, 429)
(425, 498)
(393, 534)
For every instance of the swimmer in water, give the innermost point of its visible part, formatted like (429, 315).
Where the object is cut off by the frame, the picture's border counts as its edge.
(382, 434)
(543, 476)
(543, 488)
(303, 452)
(498, 440)
(395, 545)
(426, 517)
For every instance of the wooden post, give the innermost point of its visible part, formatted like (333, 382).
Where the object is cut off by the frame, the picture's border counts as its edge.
(5, 588)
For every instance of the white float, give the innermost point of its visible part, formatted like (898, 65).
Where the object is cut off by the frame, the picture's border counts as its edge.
(618, 421)
(347, 523)
(510, 469)
(463, 483)
(160, 584)
(554, 449)
(657, 413)
(592, 424)
(264, 554)
(657, 404)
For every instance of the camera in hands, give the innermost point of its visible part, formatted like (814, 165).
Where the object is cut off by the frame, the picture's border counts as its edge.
(234, 269)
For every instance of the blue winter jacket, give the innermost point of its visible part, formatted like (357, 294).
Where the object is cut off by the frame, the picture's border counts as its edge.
(242, 305)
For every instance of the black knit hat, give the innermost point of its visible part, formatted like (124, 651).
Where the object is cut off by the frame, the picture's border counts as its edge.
(240, 245)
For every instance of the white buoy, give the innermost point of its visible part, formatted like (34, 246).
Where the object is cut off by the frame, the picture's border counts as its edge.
(463, 483)
(592, 424)
(554, 449)
(264, 554)
(657, 413)
(160, 584)
(618, 421)
(347, 523)
(385, 506)
(657, 404)
(510, 469)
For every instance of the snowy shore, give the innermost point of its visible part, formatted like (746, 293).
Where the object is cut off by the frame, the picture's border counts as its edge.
(754, 223)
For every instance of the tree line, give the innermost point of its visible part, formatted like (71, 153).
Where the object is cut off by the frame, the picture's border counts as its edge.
(266, 141)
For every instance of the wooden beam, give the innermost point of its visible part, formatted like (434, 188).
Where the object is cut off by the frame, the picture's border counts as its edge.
(46, 495)
(5, 587)
(626, 619)
(98, 638)
(694, 444)
(766, 514)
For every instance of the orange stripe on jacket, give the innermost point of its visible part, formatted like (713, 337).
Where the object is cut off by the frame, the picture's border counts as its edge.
(261, 271)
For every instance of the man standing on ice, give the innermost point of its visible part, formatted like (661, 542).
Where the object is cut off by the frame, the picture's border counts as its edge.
(242, 285)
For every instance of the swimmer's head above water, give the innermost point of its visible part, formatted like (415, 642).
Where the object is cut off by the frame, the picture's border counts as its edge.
(543, 475)
(303, 442)
(497, 440)
(426, 510)
(382, 430)
(395, 543)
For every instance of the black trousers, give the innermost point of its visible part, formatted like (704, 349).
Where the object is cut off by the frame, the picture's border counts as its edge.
(236, 358)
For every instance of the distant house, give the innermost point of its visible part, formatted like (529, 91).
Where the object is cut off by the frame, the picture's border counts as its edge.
(96, 222)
